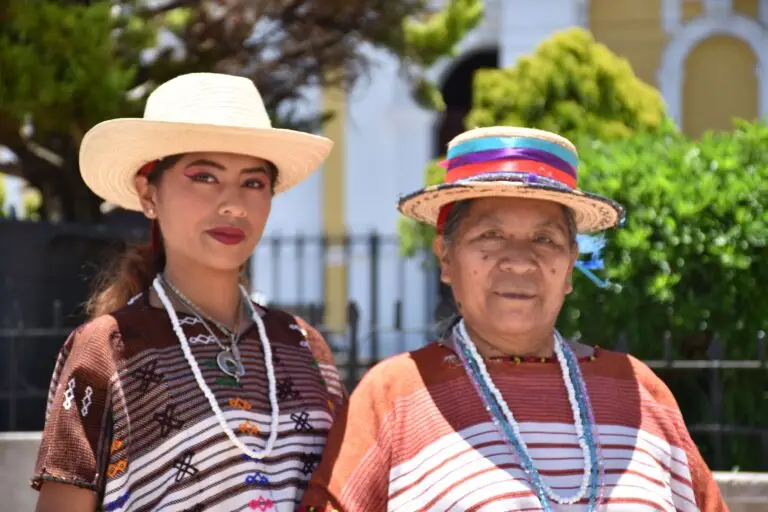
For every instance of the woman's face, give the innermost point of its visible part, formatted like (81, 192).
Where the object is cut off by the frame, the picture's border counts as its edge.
(509, 265)
(211, 207)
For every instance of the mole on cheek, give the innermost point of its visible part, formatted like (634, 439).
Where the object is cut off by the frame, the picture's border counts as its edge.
(553, 270)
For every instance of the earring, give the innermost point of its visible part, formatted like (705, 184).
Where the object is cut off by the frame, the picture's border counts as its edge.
(151, 213)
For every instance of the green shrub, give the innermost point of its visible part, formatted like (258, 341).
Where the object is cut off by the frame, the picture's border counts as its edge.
(691, 262)
(570, 85)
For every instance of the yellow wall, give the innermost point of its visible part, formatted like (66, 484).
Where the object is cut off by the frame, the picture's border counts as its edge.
(748, 8)
(692, 9)
(712, 94)
(334, 227)
(632, 29)
(695, 8)
(720, 84)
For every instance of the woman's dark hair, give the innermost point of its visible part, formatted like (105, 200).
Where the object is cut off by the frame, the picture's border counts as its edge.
(132, 271)
(456, 215)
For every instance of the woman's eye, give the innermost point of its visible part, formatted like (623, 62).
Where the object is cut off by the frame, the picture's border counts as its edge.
(491, 235)
(544, 239)
(203, 177)
(255, 184)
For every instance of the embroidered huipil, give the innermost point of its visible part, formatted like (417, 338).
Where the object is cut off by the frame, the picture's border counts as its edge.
(126, 418)
(416, 437)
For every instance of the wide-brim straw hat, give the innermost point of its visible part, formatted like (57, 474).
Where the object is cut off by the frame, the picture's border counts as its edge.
(196, 112)
(505, 161)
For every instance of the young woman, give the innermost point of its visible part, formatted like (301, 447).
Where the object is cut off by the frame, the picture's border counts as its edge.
(180, 394)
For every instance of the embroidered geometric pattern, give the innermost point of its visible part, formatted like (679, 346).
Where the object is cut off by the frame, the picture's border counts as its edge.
(147, 375)
(118, 503)
(87, 399)
(116, 467)
(239, 403)
(69, 394)
(167, 421)
(249, 428)
(301, 421)
(184, 466)
(229, 382)
(166, 450)
(310, 460)
(285, 390)
(257, 478)
(202, 338)
(261, 504)
(116, 445)
(189, 320)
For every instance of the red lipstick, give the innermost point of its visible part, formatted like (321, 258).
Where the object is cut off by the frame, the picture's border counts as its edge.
(227, 235)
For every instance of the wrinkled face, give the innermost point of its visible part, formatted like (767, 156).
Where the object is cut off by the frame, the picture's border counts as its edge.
(509, 265)
(211, 207)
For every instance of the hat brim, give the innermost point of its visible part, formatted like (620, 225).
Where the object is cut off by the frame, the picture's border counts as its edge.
(591, 212)
(112, 152)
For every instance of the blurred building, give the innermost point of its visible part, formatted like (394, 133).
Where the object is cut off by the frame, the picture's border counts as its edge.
(709, 58)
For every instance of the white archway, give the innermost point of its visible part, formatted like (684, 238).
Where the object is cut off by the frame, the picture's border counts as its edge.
(686, 37)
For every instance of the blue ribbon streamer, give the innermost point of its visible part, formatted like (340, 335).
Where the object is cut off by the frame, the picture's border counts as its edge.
(593, 245)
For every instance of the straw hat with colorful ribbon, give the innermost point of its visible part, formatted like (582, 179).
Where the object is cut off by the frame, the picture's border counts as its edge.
(506, 161)
(195, 112)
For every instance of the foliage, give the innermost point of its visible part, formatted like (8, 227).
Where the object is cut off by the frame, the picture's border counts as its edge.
(691, 263)
(690, 252)
(570, 85)
(60, 76)
(54, 59)
(33, 200)
(68, 65)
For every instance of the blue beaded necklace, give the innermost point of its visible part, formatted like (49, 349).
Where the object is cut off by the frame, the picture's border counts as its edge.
(475, 374)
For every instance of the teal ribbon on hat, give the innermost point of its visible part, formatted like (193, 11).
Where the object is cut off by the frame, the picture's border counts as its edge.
(490, 143)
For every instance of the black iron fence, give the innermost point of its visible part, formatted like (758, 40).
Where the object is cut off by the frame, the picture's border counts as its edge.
(703, 388)
(389, 305)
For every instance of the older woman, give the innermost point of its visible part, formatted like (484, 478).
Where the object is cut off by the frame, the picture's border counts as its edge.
(503, 413)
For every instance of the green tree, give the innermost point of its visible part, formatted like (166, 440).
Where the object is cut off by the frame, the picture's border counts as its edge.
(689, 253)
(68, 65)
(691, 263)
(571, 85)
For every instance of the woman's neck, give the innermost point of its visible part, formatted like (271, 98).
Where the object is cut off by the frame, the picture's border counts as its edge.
(215, 293)
(527, 345)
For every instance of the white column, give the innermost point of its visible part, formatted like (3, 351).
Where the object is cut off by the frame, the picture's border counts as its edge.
(526, 23)
(294, 276)
(762, 84)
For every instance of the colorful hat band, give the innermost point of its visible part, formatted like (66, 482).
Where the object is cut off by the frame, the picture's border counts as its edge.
(506, 160)
(491, 143)
(514, 159)
(504, 167)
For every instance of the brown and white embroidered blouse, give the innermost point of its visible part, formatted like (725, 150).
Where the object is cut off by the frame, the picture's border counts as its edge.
(126, 418)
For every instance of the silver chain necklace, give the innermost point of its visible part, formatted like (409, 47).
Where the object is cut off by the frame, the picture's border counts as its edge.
(229, 360)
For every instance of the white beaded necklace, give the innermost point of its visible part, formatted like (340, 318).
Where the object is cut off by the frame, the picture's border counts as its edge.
(464, 338)
(271, 381)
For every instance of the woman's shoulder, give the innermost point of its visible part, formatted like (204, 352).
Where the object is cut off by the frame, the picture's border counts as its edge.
(279, 319)
(106, 329)
(626, 366)
(405, 373)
